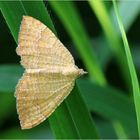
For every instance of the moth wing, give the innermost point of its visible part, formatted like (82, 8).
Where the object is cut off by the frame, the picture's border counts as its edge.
(39, 47)
(38, 95)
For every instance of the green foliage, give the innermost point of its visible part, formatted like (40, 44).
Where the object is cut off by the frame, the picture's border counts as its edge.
(68, 124)
(113, 110)
(83, 43)
(111, 35)
(77, 114)
(129, 8)
(14, 10)
(110, 103)
(135, 83)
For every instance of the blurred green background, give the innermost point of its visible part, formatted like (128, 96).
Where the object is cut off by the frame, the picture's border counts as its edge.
(90, 32)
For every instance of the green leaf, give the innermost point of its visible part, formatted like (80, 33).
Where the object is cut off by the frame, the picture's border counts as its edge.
(6, 101)
(36, 133)
(124, 8)
(82, 43)
(69, 16)
(38, 10)
(110, 103)
(129, 8)
(102, 51)
(77, 113)
(106, 130)
(134, 79)
(13, 17)
(107, 102)
(111, 35)
(9, 75)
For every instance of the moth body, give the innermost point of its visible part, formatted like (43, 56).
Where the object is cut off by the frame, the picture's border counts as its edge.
(67, 71)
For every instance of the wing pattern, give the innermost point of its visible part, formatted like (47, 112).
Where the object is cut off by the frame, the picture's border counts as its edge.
(39, 93)
(39, 47)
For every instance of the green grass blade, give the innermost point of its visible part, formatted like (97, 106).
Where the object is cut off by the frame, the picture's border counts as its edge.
(120, 130)
(69, 16)
(73, 113)
(9, 73)
(129, 8)
(13, 17)
(6, 101)
(12, 21)
(110, 32)
(107, 101)
(99, 99)
(75, 129)
(110, 103)
(16, 133)
(106, 130)
(135, 83)
(127, 20)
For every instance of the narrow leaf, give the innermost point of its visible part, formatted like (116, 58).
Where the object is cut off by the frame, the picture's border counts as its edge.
(108, 102)
(76, 114)
(38, 10)
(129, 8)
(69, 16)
(112, 36)
(135, 83)
(112, 104)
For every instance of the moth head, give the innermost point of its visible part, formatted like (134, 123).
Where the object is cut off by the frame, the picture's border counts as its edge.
(81, 72)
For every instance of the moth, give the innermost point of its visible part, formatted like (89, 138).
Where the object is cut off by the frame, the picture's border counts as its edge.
(50, 73)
